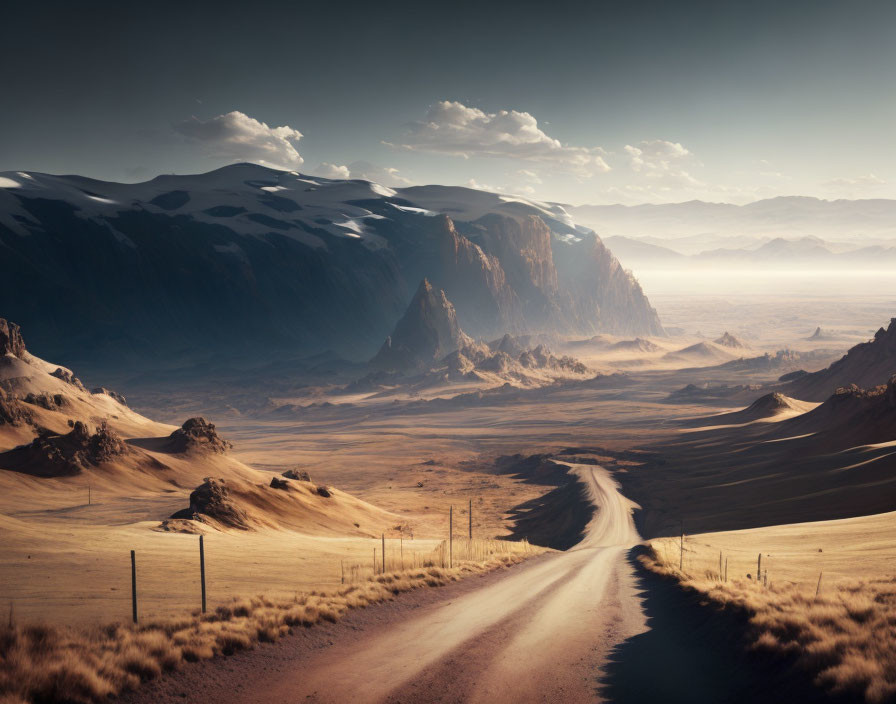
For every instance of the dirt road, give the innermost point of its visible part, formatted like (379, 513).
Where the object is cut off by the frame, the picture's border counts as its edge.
(537, 635)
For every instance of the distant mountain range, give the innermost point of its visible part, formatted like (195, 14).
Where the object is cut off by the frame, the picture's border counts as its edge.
(778, 252)
(256, 263)
(697, 225)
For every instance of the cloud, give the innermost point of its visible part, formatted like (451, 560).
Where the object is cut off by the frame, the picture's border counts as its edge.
(866, 181)
(384, 175)
(332, 171)
(655, 155)
(529, 176)
(453, 128)
(239, 137)
(364, 170)
(473, 183)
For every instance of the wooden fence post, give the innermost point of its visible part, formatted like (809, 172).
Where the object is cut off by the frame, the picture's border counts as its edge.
(818, 588)
(471, 520)
(202, 569)
(681, 549)
(720, 565)
(726, 569)
(450, 536)
(134, 585)
(384, 553)
(342, 570)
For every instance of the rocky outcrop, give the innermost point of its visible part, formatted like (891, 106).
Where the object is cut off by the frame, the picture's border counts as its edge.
(297, 474)
(51, 402)
(68, 377)
(51, 455)
(12, 412)
(212, 498)
(197, 435)
(866, 365)
(112, 394)
(427, 332)
(11, 341)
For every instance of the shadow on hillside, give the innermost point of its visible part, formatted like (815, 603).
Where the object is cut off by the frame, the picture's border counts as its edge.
(696, 654)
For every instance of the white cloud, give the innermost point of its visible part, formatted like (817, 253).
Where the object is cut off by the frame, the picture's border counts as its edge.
(529, 176)
(363, 170)
(386, 175)
(655, 155)
(473, 183)
(239, 137)
(332, 171)
(453, 128)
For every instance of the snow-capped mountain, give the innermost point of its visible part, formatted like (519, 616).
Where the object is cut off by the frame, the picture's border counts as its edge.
(247, 259)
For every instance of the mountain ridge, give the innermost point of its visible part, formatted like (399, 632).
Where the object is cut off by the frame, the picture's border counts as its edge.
(247, 258)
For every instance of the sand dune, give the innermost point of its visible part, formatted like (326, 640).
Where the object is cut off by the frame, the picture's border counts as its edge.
(772, 407)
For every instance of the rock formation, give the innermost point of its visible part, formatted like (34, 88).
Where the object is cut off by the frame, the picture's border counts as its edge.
(729, 340)
(212, 498)
(426, 332)
(11, 341)
(196, 434)
(867, 365)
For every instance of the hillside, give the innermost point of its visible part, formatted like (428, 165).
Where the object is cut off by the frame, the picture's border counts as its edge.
(868, 364)
(55, 436)
(246, 258)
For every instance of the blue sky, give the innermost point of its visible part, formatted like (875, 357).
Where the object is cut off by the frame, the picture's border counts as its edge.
(576, 102)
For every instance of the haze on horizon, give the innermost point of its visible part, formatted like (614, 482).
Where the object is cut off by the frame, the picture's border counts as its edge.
(619, 103)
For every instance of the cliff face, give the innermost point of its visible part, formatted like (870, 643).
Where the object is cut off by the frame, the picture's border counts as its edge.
(599, 295)
(476, 282)
(247, 258)
(867, 365)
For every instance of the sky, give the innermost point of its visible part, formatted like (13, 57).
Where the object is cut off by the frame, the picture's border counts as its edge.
(585, 102)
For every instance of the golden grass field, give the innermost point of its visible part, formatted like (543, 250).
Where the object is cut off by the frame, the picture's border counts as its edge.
(827, 594)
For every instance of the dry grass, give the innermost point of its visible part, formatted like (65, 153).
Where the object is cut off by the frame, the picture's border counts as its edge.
(463, 552)
(845, 636)
(46, 664)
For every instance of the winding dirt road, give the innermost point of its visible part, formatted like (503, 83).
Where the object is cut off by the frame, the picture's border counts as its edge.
(540, 634)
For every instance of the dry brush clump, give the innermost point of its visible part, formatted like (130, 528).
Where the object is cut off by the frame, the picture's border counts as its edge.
(42, 664)
(845, 636)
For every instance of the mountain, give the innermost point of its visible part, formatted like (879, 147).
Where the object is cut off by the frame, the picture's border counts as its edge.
(628, 249)
(868, 365)
(769, 408)
(701, 354)
(789, 216)
(426, 332)
(850, 417)
(729, 340)
(247, 259)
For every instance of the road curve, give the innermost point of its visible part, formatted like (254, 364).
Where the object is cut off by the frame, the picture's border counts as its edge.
(540, 634)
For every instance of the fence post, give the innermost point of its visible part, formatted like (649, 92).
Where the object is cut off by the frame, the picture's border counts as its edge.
(726, 569)
(202, 570)
(720, 565)
(471, 520)
(384, 553)
(759, 567)
(134, 585)
(342, 570)
(818, 588)
(681, 549)
(450, 536)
